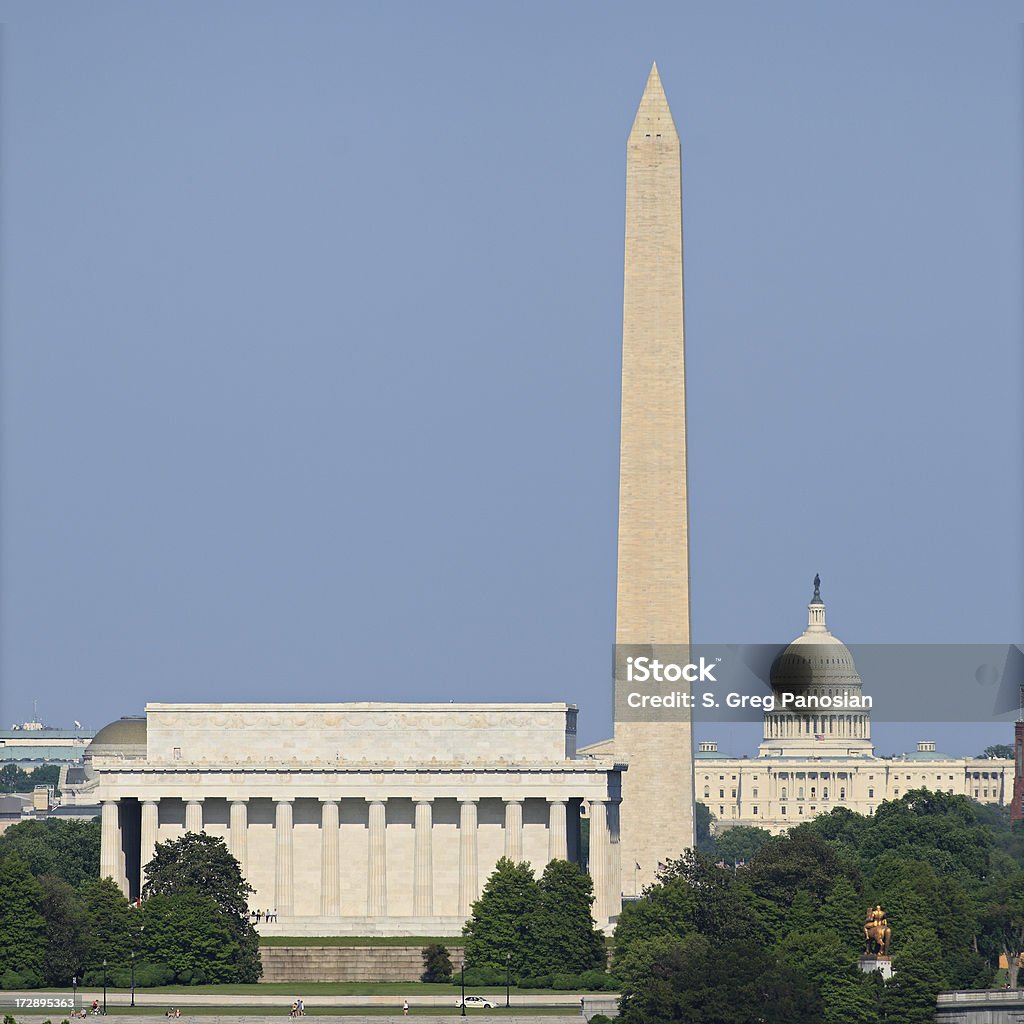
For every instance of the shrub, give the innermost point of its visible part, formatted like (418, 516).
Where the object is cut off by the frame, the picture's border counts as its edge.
(565, 982)
(600, 1018)
(477, 976)
(597, 981)
(437, 964)
(536, 981)
(149, 975)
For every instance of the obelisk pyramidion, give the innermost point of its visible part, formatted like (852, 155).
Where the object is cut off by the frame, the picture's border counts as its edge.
(653, 595)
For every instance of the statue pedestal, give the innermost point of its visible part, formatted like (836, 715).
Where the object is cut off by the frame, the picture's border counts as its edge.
(876, 963)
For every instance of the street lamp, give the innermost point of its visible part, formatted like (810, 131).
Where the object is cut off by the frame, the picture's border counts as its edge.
(142, 928)
(463, 982)
(74, 992)
(104, 986)
(508, 979)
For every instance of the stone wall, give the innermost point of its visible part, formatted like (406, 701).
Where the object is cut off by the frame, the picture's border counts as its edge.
(347, 963)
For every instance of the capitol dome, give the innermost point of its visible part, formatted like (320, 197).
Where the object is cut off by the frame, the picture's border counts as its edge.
(816, 662)
(819, 708)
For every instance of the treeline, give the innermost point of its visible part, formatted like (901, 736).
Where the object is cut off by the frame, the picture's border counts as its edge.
(16, 780)
(538, 933)
(59, 921)
(776, 940)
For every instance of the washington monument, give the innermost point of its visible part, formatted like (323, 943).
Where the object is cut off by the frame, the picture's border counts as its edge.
(653, 599)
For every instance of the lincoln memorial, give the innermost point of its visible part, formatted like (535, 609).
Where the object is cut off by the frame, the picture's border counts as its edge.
(361, 818)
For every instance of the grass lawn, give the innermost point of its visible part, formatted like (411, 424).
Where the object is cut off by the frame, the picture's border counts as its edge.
(359, 940)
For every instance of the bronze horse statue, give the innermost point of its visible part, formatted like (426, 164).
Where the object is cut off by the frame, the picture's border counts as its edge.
(877, 932)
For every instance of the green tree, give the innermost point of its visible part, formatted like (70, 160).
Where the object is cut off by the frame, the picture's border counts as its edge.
(69, 849)
(703, 819)
(110, 924)
(437, 963)
(939, 829)
(66, 930)
(22, 926)
(200, 863)
(844, 912)
(824, 958)
(45, 775)
(852, 997)
(13, 779)
(917, 979)
(498, 923)
(741, 842)
(561, 937)
(1003, 750)
(788, 865)
(692, 895)
(190, 934)
(1001, 921)
(699, 979)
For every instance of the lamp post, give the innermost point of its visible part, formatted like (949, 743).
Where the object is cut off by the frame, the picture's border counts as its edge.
(142, 928)
(74, 992)
(104, 986)
(463, 983)
(508, 977)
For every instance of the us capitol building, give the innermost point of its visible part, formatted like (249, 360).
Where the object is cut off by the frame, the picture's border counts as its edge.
(809, 763)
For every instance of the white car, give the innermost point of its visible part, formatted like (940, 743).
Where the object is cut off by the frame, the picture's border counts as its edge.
(476, 1003)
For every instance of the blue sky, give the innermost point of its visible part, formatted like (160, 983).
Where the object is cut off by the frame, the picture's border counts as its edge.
(311, 326)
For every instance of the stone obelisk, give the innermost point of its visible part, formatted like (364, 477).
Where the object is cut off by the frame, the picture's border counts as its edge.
(653, 595)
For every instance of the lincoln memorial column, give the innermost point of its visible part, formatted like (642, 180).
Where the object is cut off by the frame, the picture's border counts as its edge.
(111, 857)
(330, 869)
(423, 863)
(377, 869)
(238, 835)
(469, 875)
(284, 875)
(599, 859)
(614, 883)
(514, 830)
(194, 816)
(150, 822)
(558, 847)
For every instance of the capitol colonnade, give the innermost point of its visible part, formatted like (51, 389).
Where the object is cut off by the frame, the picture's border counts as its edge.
(366, 847)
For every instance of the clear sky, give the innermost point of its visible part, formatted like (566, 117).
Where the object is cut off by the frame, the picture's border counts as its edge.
(311, 327)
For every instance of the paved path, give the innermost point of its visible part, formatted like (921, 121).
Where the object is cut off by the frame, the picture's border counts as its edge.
(183, 999)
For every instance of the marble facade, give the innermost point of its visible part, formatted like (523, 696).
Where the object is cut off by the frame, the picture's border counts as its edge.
(364, 818)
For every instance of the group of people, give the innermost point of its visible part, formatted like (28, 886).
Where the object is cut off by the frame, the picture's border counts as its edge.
(298, 1009)
(173, 1012)
(263, 915)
